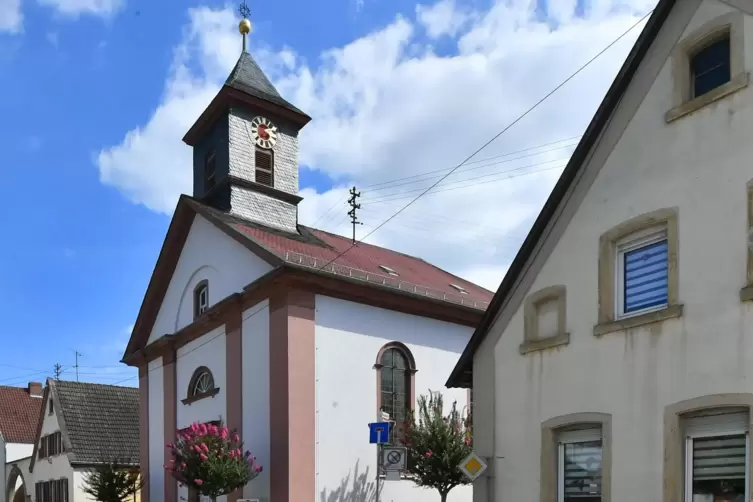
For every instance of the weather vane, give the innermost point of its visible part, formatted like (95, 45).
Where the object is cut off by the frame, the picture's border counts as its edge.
(244, 11)
(245, 25)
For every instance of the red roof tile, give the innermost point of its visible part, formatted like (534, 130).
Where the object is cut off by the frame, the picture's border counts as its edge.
(19, 414)
(316, 248)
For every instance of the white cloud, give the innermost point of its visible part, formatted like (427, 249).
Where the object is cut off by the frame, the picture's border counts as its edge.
(442, 18)
(386, 106)
(11, 17)
(102, 8)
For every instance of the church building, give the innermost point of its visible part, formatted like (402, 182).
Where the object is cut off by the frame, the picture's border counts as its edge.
(292, 336)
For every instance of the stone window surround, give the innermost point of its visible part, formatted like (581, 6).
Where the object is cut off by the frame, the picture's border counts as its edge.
(531, 340)
(607, 321)
(549, 450)
(683, 103)
(190, 398)
(746, 293)
(673, 472)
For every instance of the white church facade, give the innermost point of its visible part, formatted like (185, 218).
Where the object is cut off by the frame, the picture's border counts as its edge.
(290, 335)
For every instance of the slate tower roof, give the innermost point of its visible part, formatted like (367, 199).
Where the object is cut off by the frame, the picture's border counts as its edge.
(248, 77)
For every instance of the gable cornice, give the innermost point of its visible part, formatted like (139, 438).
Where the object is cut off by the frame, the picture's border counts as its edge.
(561, 204)
(177, 233)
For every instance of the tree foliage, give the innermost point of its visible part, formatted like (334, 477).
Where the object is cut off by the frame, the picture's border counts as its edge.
(210, 460)
(437, 444)
(112, 482)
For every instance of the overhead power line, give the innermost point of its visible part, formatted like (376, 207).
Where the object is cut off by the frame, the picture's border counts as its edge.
(500, 133)
(428, 189)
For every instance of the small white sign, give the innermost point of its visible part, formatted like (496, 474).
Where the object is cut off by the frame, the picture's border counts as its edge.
(394, 458)
(473, 466)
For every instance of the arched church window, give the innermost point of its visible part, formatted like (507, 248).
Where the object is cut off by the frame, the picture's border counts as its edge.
(201, 383)
(200, 298)
(396, 369)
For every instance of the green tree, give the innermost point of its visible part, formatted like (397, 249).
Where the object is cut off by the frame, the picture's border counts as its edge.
(437, 444)
(112, 482)
(210, 460)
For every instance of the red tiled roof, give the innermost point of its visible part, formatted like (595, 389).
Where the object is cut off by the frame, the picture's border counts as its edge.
(19, 414)
(317, 248)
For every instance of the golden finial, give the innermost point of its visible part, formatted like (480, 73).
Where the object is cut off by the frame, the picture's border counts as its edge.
(244, 27)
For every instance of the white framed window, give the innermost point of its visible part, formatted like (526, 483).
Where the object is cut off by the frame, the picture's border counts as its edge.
(579, 465)
(201, 298)
(642, 273)
(717, 456)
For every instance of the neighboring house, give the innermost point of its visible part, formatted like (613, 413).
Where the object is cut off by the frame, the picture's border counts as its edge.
(19, 416)
(615, 361)
(82, 425)
(246, 321)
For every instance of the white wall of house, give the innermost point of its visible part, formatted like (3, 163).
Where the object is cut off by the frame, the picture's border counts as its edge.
(700, 165)
(256, 394)
(55, 467)
(157, 442)
(207, 350)
(226, 264)
(16, 451)
(348, 338)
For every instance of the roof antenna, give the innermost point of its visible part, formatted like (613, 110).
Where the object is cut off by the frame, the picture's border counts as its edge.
(352, 213)
(244, 27)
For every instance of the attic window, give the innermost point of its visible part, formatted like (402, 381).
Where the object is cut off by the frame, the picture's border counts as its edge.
(209, 168)
(200, 298)
(460, 289)
(264, 167)
(50, 407)
(710, 66)
(388, 270)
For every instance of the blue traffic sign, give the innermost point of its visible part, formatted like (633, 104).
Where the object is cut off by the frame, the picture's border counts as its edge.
(379, 432)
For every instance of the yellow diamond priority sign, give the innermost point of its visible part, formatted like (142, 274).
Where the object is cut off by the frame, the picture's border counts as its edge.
(473, 466)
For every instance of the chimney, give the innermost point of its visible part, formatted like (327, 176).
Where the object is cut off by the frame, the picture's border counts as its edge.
(35, 389)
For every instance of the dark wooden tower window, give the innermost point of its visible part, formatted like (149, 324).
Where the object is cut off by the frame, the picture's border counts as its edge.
(264, 167)
(209, 168)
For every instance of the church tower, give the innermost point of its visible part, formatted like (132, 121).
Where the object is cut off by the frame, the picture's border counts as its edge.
(245, 147)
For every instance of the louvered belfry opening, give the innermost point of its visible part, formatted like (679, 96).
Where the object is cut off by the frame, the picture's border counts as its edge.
(264, 167)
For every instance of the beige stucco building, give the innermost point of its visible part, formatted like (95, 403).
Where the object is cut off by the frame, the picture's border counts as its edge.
(616, 360)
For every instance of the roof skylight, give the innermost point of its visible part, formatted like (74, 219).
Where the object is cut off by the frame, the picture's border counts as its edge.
(461, 289)
(388, 270)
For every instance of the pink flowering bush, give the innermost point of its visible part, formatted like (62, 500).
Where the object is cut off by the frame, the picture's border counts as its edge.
(210, 460)
(436, 445)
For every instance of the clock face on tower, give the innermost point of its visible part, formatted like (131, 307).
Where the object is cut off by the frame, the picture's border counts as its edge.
(264, 132)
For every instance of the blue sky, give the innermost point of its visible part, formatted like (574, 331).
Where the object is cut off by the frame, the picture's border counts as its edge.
(79, 252)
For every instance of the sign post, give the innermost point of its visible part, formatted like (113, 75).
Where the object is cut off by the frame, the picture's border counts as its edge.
(379, 434)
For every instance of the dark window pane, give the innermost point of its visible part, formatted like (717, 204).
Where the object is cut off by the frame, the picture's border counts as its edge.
(710, 67)
(387, 358)
(400, 362)
(582, 472)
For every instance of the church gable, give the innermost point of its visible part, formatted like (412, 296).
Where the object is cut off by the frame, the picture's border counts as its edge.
(204, 275)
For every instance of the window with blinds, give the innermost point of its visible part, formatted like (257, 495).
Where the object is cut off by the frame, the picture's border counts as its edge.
(643, 274)
(716, 462)
(264, 167)
(50, 445)
(54, 490)
(579, 466)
